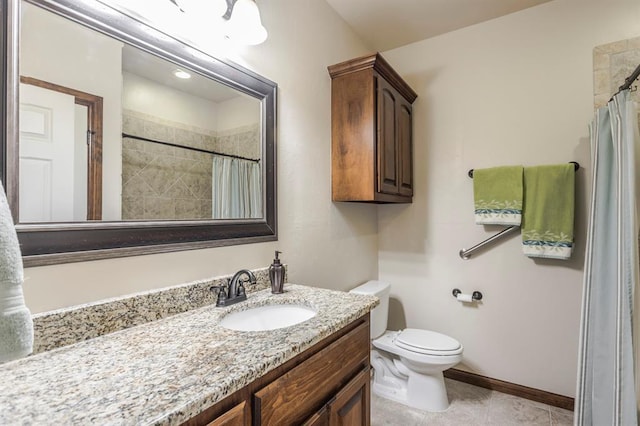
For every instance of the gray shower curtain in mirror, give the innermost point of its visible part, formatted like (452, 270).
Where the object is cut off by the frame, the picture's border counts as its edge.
(606, 393)
(235, 190)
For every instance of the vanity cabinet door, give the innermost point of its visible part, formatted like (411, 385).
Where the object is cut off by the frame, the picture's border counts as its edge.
(239, 415)
(351, 405)
(321, 418)
(217, 415)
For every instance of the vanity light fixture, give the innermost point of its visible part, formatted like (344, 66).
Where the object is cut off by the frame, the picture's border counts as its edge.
(244, 25)
(182, 74)
(240, 18)
(202, 8)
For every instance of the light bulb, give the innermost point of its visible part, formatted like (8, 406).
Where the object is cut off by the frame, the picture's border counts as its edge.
(245, 26)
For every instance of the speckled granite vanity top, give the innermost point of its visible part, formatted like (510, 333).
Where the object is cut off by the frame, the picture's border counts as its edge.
(166, 371)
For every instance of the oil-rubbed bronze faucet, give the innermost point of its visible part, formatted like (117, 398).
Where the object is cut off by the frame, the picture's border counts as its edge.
(234, 291)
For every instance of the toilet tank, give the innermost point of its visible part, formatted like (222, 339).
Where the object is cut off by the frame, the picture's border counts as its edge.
(380, 313)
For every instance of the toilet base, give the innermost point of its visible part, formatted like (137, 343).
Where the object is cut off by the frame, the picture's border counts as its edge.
(431, 396)
(427, 392)
(394, 381)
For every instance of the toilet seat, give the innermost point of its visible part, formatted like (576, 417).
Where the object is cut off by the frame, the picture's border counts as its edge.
(427, 342)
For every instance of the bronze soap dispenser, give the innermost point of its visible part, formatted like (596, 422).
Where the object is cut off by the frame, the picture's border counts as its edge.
(276, 275)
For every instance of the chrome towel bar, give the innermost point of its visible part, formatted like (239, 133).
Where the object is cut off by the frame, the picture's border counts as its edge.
(466, 253)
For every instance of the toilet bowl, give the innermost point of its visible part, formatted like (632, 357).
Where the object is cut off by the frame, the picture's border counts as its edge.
(408, 364)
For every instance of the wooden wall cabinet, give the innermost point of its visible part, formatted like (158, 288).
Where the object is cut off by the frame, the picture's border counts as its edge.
(328, 384)
(371, 132)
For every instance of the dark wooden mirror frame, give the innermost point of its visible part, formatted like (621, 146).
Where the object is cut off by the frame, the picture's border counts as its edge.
(52, 243)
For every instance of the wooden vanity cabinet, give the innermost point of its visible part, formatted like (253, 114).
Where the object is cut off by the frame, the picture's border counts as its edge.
(371, 132)
(328, 384)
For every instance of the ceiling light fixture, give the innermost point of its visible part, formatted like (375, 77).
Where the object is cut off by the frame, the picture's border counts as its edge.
(182, 74)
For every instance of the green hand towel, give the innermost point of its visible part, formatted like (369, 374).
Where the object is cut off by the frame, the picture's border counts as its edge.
(549, 197)
(497, 194)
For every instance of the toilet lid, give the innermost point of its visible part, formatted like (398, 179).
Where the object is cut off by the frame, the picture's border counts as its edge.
(427, 342)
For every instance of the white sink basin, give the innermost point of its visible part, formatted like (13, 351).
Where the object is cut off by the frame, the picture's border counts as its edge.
(268, 317)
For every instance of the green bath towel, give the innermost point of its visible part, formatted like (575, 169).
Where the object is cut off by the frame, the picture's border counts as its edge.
(497, 195)
(549, 197)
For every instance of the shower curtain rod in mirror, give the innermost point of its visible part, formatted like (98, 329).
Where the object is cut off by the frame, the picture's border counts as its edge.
(126, 135)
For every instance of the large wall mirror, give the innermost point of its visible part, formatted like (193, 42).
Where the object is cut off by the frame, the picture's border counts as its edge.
(120, 140)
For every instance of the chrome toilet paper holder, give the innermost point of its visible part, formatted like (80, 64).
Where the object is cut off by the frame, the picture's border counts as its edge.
(476, 295)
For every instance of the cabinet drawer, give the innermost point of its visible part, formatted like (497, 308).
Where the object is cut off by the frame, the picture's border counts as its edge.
(306, 388)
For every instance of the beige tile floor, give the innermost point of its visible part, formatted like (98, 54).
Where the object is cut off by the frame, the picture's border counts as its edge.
(471, 405)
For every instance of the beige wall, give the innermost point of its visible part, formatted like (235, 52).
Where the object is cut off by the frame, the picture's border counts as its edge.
(177, 106)
(325, 244)
(149, 97)
(515, 90)
(238, 112)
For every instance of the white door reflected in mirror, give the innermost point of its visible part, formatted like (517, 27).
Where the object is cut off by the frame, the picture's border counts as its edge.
(52, 165)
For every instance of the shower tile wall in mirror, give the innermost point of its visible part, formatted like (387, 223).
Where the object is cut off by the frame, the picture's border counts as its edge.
(160, 181)
(149, 151)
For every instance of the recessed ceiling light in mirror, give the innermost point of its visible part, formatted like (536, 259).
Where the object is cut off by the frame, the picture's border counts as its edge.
(182, 74)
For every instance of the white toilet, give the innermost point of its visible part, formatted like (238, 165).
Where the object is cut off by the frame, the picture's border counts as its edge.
(408, 364)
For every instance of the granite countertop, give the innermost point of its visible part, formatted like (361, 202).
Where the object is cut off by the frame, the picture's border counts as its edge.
(166, 371)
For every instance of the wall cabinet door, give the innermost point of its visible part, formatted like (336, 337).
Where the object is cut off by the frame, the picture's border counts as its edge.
(387, 143)
(405, 148)
(394, 142)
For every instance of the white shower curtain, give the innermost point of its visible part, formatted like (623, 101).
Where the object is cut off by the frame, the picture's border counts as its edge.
(235, 190)
(606, 392)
